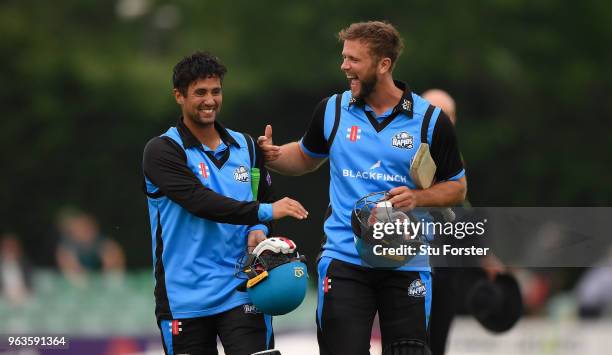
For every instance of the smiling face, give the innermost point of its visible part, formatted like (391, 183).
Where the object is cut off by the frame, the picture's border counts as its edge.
(360, 67)
(202, 102)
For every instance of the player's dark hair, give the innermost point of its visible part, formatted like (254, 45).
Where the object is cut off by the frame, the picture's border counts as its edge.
(382, 38)
(199, 65)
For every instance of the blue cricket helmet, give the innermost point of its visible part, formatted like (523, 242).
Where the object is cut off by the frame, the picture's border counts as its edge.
(282, 291)
(276, 276)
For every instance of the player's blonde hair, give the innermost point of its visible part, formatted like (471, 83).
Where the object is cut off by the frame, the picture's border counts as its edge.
(381, 37)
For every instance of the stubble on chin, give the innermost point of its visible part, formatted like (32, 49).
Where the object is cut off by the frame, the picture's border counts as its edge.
(201, 121)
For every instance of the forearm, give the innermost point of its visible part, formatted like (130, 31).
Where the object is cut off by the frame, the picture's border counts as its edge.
(447, 193)
(265, 191)
(293, 161)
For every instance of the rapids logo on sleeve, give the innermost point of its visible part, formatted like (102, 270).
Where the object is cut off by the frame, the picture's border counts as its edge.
(241, 174)
(417, 289)
(402, 140)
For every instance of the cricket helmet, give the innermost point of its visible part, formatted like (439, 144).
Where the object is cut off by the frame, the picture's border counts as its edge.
(276, 276)
(371, 210)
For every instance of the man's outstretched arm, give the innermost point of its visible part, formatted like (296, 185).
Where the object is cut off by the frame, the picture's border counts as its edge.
(288, 159)
(165, 166)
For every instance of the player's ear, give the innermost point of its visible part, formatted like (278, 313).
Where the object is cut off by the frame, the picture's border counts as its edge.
(178, 96)
(384, 65)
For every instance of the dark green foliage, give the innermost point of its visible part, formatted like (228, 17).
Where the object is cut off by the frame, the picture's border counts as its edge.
(83, 89)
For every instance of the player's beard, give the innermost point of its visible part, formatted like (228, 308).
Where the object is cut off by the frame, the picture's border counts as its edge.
(368, 83)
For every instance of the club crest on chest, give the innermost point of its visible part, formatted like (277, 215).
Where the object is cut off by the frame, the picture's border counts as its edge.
(402, 140)
(241, 174)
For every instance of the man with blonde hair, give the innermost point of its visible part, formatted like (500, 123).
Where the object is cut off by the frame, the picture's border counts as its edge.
(375, 128)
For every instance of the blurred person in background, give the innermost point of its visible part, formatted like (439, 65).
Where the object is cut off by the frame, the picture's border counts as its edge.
(444, 101)
(83, 248)
(15, 270)
(443, 279)
(594, 289)
(206, 207)
(452, 284)
(374, 111)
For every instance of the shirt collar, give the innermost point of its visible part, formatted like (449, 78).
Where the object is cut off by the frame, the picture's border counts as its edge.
(404, 105)
(189, 140)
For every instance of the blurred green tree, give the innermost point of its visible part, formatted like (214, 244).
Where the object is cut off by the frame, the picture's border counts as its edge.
(86, 84)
